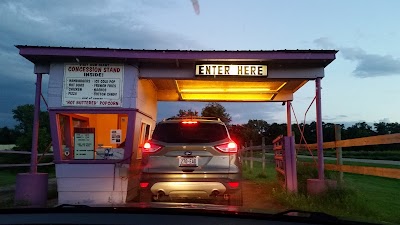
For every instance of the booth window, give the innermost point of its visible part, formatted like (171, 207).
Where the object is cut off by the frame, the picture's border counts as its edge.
(92, 136)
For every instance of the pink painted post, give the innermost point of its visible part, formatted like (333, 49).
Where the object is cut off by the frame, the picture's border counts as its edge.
(36, 116)
(31, 188)
(289, 118)
(320, 137)
(290, 153)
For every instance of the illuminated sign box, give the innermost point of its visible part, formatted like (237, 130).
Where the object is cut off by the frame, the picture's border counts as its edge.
(231, 70)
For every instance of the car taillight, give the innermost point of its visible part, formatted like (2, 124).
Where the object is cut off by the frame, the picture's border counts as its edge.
(151, 148)
(228, 147)
(233, 184)
(144, 184)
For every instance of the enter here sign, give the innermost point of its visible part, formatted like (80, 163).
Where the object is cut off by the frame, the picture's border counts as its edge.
(235, 70)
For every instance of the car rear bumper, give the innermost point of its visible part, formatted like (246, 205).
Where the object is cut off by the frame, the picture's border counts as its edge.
(201, 190)
(193, 186)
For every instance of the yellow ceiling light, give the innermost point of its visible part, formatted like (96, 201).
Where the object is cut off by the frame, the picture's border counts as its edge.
(226, 97)
(224, 90)
(201, 90)
(280, 87)
(235, 91)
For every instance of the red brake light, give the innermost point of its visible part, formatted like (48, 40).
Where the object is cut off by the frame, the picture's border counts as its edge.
(144, 184)
(147, 145)
(232, 145)
(151, 148)
(189, 122)
(229, 147)
(233, 184)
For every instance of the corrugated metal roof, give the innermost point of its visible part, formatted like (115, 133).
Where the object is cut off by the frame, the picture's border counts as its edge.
(279, 58)
(181, 50)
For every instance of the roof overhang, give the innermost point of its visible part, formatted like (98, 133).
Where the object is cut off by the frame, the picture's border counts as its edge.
(173, 71)
(42, 54)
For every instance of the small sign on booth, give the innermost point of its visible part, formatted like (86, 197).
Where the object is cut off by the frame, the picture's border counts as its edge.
(84, 143)
(115, 136)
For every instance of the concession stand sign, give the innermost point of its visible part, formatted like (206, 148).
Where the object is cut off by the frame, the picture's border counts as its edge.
(93, 85)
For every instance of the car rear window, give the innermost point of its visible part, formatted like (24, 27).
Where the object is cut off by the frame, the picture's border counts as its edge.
(189, 133)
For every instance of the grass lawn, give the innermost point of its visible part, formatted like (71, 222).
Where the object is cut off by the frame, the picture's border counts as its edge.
(364, 198)
(7, 178)
(382, 194)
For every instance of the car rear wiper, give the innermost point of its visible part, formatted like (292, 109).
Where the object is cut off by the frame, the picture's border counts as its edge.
(319, 216)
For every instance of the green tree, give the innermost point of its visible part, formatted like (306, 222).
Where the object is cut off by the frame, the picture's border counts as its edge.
(256, 129)
(186, 113)
(382, 128)
(7, 136)
(238, 134)
(393, 128)
(214, 109)
(361, 129)
(24, 115)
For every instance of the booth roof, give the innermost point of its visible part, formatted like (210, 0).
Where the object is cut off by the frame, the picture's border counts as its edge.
(48, 54)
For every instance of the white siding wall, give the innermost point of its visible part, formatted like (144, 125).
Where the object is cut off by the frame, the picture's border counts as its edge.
(147, 98)
(146, 103)
(92, 184)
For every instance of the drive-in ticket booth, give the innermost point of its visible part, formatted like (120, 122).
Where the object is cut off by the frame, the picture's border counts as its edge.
(103, 103)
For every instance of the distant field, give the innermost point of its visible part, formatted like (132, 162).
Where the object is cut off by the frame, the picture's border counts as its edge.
(6, 147)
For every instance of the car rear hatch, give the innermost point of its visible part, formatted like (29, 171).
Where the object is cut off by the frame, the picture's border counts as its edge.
(188, 147)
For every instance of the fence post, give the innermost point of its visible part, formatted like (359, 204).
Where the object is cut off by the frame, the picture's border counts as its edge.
(339, 160)
(245, 154)
(251, 155)
(242, 154)
(263, 154)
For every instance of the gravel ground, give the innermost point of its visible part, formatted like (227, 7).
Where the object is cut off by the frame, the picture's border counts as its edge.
(257, 197)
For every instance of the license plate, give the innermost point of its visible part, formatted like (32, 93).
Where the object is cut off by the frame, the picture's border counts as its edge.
(188, 161)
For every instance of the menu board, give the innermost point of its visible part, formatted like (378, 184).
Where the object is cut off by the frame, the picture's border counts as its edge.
(84, 143)
(93, 85)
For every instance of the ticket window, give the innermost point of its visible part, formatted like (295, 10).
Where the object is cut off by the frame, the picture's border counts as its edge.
(144, 136)
(92, 136)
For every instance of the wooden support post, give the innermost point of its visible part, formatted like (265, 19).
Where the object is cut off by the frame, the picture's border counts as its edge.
(242, 154)
(263, 154)
(245, 154)
(339, 160)
(251, 155)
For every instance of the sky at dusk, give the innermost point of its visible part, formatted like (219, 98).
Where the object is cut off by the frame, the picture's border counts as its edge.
(362, 84)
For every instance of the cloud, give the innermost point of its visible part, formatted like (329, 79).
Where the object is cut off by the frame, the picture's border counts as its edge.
(384, 120)
(241, 113)
(92, 23)
(334, 118)
(324, 42)
(367, 64)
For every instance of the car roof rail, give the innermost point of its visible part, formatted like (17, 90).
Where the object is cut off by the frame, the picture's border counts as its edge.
(194, 117)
